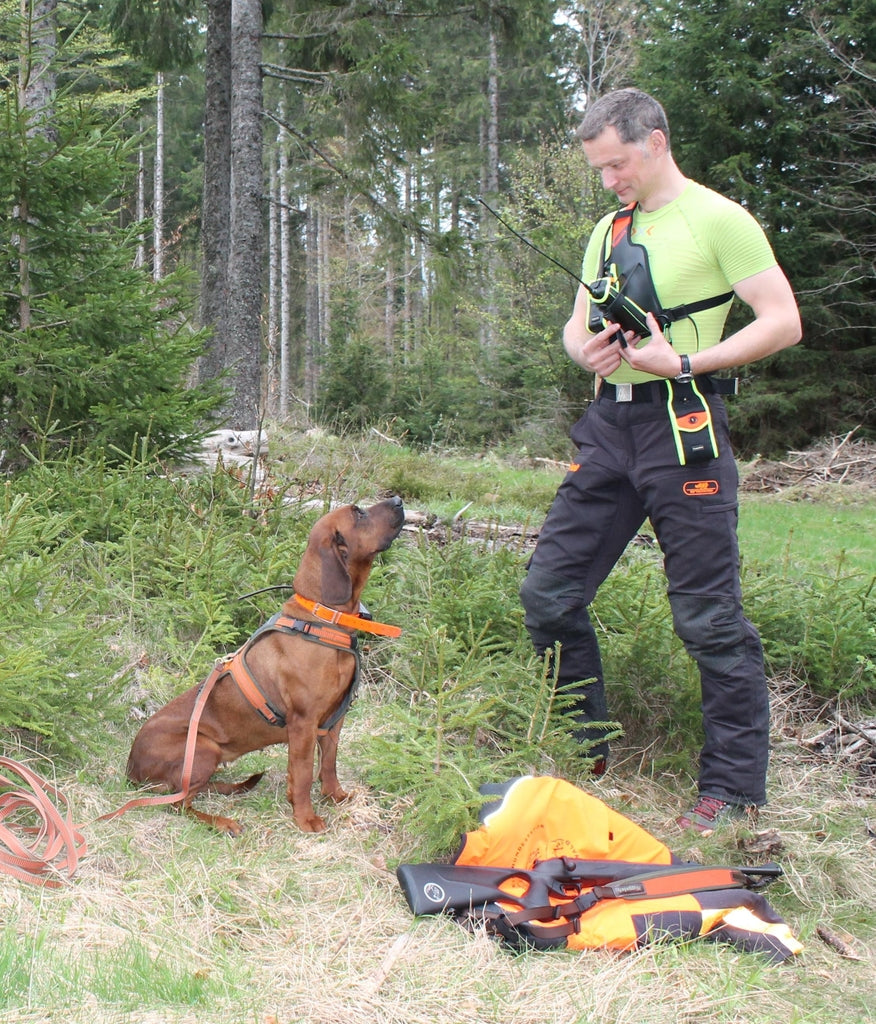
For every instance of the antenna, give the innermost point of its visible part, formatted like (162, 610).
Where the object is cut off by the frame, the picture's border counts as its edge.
(533, 246)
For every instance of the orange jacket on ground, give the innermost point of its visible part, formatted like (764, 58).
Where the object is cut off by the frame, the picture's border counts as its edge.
(535, 819)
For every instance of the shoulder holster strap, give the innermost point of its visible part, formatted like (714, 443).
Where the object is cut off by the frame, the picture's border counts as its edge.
(629, 256)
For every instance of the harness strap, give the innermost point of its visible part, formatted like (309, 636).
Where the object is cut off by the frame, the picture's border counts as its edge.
(236, 665)
(620, 232)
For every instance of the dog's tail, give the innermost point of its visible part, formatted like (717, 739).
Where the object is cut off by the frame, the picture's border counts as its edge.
(227, 788)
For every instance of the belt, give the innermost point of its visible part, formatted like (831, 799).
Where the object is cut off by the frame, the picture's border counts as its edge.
(655, 390)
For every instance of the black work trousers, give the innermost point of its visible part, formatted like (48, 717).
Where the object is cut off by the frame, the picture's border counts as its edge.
(627, 470)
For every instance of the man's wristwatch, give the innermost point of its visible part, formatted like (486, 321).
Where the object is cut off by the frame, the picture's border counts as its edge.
(686, 375)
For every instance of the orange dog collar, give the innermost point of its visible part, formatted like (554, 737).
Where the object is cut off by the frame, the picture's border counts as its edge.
(347, 619)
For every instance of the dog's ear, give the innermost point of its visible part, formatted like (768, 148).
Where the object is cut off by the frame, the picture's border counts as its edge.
(336, 583)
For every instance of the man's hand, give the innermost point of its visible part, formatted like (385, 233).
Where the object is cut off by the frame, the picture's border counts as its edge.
(656, 356)
(597, 353)
(601, 353)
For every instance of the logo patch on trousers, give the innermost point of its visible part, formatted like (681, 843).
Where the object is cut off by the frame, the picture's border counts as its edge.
(699, 488)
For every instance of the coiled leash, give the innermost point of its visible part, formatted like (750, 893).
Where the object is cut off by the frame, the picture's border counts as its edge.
(36, 853)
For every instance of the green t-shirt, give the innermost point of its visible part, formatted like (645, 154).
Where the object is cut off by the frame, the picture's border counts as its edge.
(699, 245)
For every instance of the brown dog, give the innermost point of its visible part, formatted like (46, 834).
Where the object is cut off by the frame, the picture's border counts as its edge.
(305, 682)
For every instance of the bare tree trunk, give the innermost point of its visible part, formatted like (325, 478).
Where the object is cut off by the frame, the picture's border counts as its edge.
(311, 304)
(140, 258)
(216, 205)
(285, 278)
(491, 186)
(244, 312)
(324, 246)
(408, 271)
(389, 305)
(36, 93)
(36, 75)
(273, 327)
(158, 185)
(419, 281)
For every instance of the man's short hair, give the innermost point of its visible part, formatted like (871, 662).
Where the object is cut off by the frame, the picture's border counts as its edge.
(632, 113)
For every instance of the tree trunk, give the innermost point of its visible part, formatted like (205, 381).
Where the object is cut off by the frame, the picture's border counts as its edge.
(36, 75)
(323, 248)
(216, 205)
(158, 185)
(285, 278)
(36, 93)
(491, 185)
(140, 259)
(273, 331)
(311, 307)
(244, 312)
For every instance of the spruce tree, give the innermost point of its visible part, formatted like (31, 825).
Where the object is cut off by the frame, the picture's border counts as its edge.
(92, 351)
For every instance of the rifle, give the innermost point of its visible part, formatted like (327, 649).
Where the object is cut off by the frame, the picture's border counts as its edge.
(579, 884)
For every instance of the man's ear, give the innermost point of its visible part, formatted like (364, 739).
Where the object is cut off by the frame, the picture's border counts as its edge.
(657, 143)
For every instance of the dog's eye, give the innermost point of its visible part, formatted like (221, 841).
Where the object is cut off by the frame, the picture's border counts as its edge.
(359, 513)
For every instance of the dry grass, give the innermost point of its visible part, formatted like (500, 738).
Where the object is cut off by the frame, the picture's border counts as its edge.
(281, 927)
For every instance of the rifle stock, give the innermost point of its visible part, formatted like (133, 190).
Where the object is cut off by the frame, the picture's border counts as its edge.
(456, 888)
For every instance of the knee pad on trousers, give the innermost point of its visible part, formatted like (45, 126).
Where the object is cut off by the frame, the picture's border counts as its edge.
(714, 631)
(554, 605)
(556, 612)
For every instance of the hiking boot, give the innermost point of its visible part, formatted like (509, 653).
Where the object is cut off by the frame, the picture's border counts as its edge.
(708, 813)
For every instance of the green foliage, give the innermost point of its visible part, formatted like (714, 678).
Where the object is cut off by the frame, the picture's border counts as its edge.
(817, 630)
(436, 396)
(173, 554)
(782, 120)
(94, 552)
(352, 387)
(94, 351)
(471, 702)
(162, 32)
(59, 676)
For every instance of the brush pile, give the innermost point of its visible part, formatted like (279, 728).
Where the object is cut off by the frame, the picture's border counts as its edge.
(840, 460)
(852, 744)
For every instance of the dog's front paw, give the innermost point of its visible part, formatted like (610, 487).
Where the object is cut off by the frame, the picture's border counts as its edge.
(310, 823)
(232, 828)
(337, 795)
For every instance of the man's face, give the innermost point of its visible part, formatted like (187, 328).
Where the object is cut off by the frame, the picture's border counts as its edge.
(628, 168)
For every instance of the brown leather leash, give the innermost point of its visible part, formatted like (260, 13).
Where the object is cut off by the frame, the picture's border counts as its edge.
(188, 756)
(36, 853)
(39, 853)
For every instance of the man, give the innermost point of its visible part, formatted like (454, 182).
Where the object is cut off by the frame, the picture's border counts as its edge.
(654, 444)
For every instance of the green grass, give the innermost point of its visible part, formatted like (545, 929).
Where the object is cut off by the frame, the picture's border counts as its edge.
(169, 923)
(818, 534)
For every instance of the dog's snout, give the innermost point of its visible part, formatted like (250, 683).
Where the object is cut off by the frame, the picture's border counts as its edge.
(396, 501)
